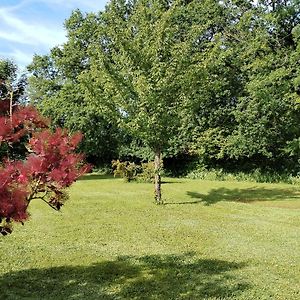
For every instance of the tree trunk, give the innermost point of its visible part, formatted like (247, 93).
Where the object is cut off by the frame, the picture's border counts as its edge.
(11, 95)
(157, 178)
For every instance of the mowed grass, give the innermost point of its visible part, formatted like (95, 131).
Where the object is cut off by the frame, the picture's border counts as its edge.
(212, 240)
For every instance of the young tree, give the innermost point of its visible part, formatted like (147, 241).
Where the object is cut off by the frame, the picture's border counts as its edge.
(146, 61)
(35, 163)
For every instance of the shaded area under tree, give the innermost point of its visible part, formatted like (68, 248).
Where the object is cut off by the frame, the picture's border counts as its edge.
(129, 277)
(247, 195)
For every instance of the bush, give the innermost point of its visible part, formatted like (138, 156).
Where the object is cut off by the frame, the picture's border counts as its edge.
(256, 175)
(127, 170)
(147, 174)
(130, 171)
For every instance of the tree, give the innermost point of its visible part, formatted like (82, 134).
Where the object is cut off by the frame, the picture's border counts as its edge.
(36, 163)
(215, 78)
(55, 88)
(146, 61)
(249, 112)
(266, 114)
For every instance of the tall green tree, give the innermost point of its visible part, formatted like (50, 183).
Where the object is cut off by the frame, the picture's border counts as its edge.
(164, 71)
(266, 114)
(54, 87)
(147, 63)
(251, 111)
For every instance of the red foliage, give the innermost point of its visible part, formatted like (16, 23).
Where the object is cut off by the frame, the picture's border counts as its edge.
(51, 165)
(23, 121)
(13, 193)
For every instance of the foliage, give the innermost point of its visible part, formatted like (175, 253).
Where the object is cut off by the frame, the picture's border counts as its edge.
(264, 115)
(135, 150)
(36, 163)
(127, 170)
(130, 171)
(54, 87)
(148, 172)
(254, 175)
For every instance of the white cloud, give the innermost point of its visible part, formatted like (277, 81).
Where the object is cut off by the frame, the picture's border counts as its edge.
(16, 30)
(85, 5)
(23, 58)
(36, 26)
(13, 37)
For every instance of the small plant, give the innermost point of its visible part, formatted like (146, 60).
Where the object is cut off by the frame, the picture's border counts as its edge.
(127, 170)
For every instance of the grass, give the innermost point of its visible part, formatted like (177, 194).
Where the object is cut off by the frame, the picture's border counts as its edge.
(212, 240)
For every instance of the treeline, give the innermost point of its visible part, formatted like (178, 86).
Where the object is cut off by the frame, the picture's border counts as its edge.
(217, 82)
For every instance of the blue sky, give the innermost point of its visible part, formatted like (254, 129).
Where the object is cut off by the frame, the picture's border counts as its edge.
(35, 26)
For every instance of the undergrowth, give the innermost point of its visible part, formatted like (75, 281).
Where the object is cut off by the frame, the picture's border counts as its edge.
(256, 175)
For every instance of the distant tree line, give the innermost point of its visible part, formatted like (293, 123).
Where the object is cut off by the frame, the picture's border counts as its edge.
(216, 81)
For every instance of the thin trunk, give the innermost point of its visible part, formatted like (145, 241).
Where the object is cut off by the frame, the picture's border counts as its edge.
(157, 178)
(11, 95)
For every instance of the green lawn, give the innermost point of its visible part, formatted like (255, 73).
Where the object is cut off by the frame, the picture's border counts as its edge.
(212, 240)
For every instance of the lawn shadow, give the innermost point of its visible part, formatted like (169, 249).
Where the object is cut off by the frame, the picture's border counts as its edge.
(148, 277)
(96, 177)
(111, 176)
(170, 182)
(242, 195)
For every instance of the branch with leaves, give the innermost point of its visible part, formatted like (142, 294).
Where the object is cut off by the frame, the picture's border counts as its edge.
(35, 162)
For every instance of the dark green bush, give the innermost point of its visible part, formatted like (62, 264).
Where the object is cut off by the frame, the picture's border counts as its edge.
(130, 171)
(127, 170)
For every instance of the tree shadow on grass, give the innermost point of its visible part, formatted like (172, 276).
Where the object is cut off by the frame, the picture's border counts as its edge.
(96, 177)
(148, 277)
(242, 195)
(111, 176)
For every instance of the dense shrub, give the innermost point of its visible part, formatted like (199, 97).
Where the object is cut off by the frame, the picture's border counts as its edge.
(46, 166)
(127, 170)
(130, 171)
(255, 175)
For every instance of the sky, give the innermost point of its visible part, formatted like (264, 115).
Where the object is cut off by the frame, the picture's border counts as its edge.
(29, 27)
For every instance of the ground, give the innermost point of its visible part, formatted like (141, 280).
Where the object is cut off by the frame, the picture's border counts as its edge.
(212, 240)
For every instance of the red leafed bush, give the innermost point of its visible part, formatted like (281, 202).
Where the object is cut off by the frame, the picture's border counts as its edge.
(23, 121)
(50, 164)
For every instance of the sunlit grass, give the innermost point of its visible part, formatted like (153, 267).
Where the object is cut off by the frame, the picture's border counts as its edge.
(212, 240)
